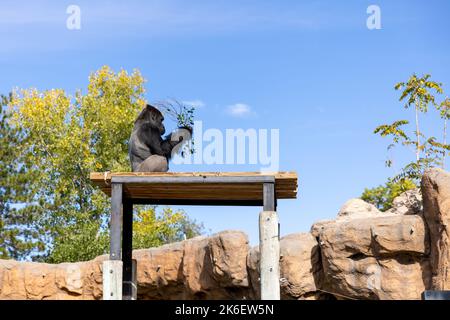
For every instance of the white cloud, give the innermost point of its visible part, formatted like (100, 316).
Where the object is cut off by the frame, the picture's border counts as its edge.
(195, 103)
(239, 110)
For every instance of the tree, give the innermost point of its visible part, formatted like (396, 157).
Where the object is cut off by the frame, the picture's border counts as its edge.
(444, 109)
(419, 93)
(18, 237)
(63, 139)
(151, 229)
(85, 240)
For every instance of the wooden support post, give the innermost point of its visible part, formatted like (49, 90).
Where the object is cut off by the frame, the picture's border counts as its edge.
(112, 280)
(269, 248)
(269, 200)
(113, 268)
(127, 250)
(116, 221)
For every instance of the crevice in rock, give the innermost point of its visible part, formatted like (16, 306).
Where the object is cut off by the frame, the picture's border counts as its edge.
(358, 256)
(318, 272)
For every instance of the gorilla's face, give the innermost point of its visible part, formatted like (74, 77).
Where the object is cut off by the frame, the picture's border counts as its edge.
(156, 119)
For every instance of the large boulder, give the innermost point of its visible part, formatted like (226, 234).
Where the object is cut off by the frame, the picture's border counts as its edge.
(374, 258)
(215, 267)
(41, 281)
(354, 208)
(436, 206)
(300, 268)
(409, 202)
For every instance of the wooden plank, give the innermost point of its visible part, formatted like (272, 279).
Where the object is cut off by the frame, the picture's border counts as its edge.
(278, 174)
(283, 175)
(199, 202)
(112, 280)
(198, 185)
(269, 248)
(203, 194)
(105, 177)
(192, 180)
(202, 186)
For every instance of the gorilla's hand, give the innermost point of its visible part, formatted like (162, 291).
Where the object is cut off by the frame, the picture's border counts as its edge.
(187, 128)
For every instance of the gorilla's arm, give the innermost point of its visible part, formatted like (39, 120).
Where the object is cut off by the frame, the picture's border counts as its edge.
(151, 138)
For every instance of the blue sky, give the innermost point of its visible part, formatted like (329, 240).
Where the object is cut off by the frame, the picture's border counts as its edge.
(309, 68)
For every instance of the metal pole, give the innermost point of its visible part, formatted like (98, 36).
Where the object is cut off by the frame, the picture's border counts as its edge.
(116, 221)
(127, 250)
(269, 199)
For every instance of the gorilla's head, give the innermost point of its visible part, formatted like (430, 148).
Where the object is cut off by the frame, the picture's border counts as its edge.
(154, 117)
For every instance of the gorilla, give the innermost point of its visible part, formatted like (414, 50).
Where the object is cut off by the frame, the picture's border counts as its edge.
(148, 151)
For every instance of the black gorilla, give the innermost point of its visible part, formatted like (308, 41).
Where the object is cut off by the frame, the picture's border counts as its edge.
(148, 151)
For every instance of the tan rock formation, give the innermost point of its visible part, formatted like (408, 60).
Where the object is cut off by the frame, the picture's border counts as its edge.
(357, 208)
(299, 267)
(436, 205)
(199, 268)
(367, 258)
(409, 202)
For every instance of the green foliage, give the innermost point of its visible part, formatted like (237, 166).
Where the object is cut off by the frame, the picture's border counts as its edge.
(393, 130)
(417, 92)
(383, 195)
(84, 239)
(444, 109)
(61, 140)
(18, 236)
(180, 112)
(151, 229)
(183, 115)
(429, 152)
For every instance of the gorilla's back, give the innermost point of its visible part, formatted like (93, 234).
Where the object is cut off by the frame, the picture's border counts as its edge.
(137, 151)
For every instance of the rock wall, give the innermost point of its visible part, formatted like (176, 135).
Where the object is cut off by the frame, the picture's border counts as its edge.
(362, 254)
(436, 205)
(199, 268)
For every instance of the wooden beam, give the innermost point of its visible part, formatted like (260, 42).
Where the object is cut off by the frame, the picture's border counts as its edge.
(112, 280)
(193, 179)
(116, 222)
(199, 202)
(269, 249)
(280, 175)
(269, 199)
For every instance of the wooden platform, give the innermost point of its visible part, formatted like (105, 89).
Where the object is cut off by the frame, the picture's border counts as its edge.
(235, 188)
(191, 188)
